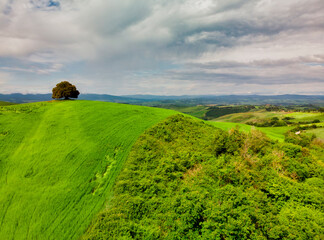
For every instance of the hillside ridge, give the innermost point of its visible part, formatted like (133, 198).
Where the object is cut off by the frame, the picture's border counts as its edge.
(59, 160)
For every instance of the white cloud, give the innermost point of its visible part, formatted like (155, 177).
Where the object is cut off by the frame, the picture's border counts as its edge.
(4, 80)
(175, 43)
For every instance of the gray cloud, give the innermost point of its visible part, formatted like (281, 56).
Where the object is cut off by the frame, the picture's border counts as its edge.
(113, 43)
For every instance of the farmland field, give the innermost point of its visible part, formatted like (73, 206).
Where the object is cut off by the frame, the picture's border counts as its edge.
(247, 116)
(58, 163)
(275, 133)
(303, 116)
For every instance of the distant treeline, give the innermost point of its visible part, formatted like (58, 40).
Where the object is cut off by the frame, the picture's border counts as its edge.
(285, 121)
(295, 108)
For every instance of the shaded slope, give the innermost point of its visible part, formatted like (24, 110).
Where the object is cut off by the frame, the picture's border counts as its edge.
(58, 162)
(2, 103)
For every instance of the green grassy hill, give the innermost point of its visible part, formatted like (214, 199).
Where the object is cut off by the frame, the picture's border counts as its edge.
(58, 163)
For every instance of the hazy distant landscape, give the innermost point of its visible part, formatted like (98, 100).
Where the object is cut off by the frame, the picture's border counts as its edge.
(187, 100)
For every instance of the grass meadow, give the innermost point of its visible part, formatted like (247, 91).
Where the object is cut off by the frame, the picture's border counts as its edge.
(275, 133)
(58, 163)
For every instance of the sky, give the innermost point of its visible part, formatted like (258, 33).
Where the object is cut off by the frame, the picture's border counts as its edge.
(163, 47)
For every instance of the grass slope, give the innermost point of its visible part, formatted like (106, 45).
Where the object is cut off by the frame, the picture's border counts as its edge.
(2, 103)
(59, 160)
(275, 133)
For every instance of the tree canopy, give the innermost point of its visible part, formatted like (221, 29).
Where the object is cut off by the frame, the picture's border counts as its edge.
(65, 90)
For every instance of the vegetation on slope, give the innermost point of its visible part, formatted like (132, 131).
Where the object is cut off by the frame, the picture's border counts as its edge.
(197, 111)
(2, 103)
(229, 125)
(58, 163)
(185, 179)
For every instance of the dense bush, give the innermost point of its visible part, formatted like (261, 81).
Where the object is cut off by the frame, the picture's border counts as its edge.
(301, 139)
(187, 180)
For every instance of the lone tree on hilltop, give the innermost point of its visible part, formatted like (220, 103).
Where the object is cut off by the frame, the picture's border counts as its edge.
(65, 90)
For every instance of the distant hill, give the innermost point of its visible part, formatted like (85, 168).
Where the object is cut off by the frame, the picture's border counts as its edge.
(158, 100)
(236, 99)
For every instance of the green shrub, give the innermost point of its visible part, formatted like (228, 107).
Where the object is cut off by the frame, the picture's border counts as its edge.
(210, 184)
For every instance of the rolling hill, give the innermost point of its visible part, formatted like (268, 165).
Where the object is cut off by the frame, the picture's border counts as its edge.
(96, 170)
(58, 163)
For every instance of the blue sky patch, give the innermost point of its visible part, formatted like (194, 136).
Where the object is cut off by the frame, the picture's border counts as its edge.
(46, 5)
(53, 3)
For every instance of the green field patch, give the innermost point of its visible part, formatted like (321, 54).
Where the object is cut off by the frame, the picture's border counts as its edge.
(319, 132)
(305, 116)
(275, 133)
(59, 162)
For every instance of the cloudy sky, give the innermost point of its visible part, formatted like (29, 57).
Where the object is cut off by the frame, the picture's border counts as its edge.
(167, 47)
